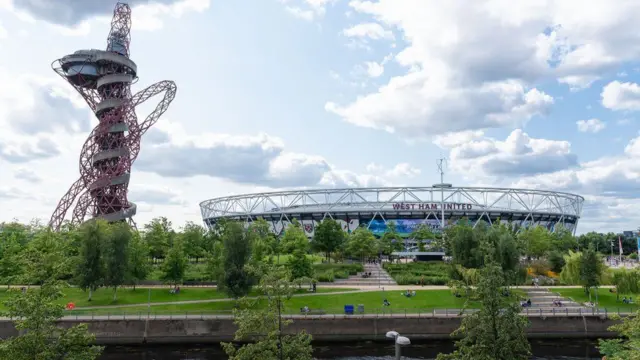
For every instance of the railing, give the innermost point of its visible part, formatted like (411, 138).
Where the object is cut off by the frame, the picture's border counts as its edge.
(335, 313)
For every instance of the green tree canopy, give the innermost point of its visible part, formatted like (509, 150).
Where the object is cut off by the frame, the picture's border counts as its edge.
(91, 265)
(139, 266)
(175, 264)
(235, 279)
(294, 239)
(116, 256)
(328, 237)
(361, 243)
(193, 238)
(275, 289)
(159, 236)
(497, 331)
(36, 312)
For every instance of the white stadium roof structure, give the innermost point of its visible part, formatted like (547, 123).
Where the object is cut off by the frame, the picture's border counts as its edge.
(406, 206)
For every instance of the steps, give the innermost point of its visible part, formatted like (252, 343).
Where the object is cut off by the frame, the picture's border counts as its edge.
(378, 277)
(542, 300)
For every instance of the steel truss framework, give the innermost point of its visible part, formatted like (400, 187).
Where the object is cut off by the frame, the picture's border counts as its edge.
(104, 79)
(526, 207)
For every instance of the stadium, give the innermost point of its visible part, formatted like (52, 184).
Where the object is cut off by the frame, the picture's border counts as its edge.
(407, 207)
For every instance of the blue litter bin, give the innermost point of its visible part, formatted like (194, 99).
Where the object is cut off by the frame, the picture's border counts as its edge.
(348, 309)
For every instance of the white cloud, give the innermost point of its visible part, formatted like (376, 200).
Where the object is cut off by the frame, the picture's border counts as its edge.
(517, 155)
(621, 96)
(591, 125)
(374, 69)
(72, 17)
(308, 10)
(256, 159)
(373, 31)
(458, 74)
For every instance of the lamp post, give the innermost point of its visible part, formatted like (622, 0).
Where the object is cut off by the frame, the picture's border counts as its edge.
(399, 340)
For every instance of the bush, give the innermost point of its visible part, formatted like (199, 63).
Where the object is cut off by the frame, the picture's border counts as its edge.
(351, 269)
(434, 273)
(341, 274)
(325, 276)
(406, 279)
(556, 261)
(633, 256)
(539, 267)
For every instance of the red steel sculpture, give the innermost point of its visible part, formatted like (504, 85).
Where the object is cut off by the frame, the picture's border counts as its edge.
(104, 79)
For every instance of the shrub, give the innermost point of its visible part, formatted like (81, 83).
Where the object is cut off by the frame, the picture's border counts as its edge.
(325, 276)
(539, 267)
(633, 256)
(341, 274)
(556, 261)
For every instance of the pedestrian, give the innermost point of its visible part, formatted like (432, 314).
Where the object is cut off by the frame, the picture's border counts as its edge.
(422, 280)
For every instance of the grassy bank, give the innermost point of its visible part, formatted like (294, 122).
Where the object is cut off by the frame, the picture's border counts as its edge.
(424, 300)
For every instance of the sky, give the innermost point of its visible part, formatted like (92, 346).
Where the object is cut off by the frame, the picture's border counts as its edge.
(281, 94)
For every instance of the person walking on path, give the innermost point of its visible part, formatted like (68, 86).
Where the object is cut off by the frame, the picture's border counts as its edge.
(422, 280)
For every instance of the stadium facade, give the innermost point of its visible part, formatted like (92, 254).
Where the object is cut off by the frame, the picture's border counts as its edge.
(407, 207)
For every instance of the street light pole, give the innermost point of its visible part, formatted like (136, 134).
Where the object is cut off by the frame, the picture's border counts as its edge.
(399, 342)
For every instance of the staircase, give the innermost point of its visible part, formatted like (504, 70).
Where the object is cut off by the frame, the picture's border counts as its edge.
(378, 277)
(542, 301)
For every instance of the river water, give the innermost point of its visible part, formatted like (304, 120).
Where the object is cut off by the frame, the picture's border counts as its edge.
(543, 350)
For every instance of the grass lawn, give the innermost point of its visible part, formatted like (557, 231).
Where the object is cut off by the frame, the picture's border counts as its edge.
(103, 296)
(605, 298)
(425, 300)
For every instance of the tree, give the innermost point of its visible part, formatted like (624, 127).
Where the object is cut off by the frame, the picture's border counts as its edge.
(300, 266)
(262, 240)
(158, 235)
(91, 267)
(10, 260)
(116, 256)
(235, 279)
(328, 237)
(175, 264)
(361, 243)
(590, 271)
(390, 240)
(626, 347)
(193, 237)
(562, 239)
(556, 260)
(626, 281)
(275, 289)
(36, 312)
(421, 234)
(572, 268)
(45, 257)
(138, 266)
(294, 239)
(497, 330)
(464, 245)
(535, 240)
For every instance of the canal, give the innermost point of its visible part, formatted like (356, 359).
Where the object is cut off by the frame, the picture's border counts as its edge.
(542, 349)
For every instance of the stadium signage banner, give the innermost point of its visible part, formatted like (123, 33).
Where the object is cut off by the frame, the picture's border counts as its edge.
(431, 206)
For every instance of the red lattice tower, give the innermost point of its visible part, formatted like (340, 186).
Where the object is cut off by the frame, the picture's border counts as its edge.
(103, 79)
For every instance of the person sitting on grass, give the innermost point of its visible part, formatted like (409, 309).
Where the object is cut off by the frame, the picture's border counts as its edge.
(305, 309)
(386, 302)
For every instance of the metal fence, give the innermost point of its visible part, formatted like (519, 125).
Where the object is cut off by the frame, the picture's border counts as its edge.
(111, 314)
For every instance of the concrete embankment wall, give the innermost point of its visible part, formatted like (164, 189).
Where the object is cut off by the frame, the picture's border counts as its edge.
(135, 331)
